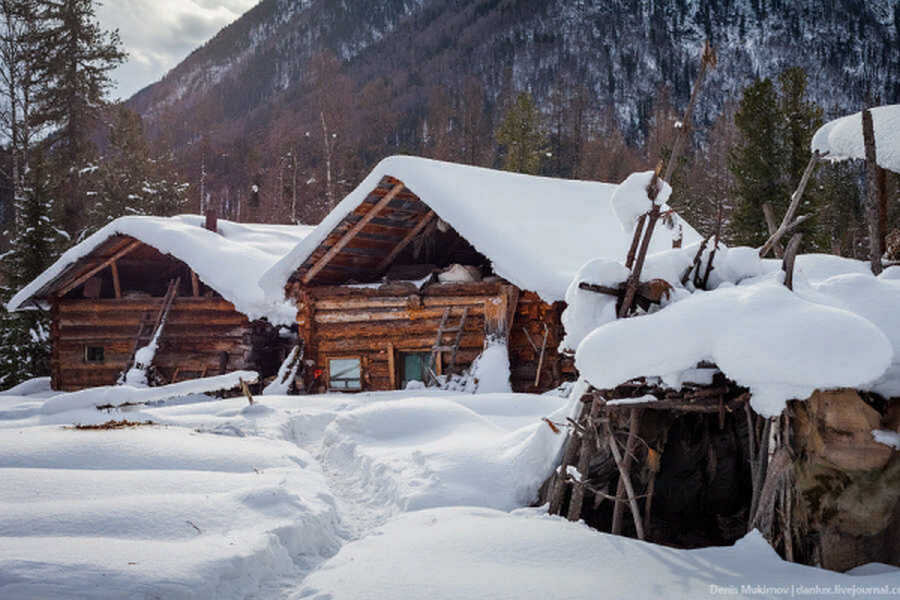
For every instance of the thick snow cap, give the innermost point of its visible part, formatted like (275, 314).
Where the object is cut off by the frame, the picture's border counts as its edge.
(229, 260)
(537, 231)
(842, 138)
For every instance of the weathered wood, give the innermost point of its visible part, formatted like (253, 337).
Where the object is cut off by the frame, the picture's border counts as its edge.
(635, 241)
(392, 367)
(409, 237)
(117, 285)
(336, 248)
(769, 214)
(325, 317)
(625, 478)
(195, 284)
(600, 289)
(707, 59)
(787, 222)
(759, 474)
(586, 454)
(93, 271)
(540, 365)
(634, 425)
(790, 255)
(873, 199)
(634, 279)
(557, 493)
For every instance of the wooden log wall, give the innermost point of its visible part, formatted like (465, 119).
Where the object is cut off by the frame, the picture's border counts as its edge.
(197, 333)
(531, 315)
(378, 324)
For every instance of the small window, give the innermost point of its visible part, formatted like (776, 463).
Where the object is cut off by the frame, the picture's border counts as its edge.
(414, 367)
(344, 374)
(93, 354)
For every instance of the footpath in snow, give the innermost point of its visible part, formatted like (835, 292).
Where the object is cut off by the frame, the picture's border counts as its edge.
(384, 495)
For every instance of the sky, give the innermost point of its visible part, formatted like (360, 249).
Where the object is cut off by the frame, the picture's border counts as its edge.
(158, 34)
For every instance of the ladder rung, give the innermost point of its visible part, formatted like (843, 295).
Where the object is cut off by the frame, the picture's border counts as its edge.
(442, 348)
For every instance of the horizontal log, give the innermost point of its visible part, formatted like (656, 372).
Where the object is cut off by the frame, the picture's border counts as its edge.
(83, 333)
(142, 304)
(392, 329)
(391, 315)
(399, 302)
(421, 343)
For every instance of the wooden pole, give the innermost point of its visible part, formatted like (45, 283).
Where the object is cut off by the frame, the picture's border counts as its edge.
(558, 486)
(588, 447)
(790, 254)
(786, 223)
(873, 202)
(537, 376)
(93, 271)
(624, 468)
(769, 214)
(707, 59)
(626, 479)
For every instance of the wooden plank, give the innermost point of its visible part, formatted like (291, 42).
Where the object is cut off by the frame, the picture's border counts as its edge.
(392, 367)
(423, 222)
(390, 315)
(117, 285)
(350, 234)
(195, 284)
(91, 272)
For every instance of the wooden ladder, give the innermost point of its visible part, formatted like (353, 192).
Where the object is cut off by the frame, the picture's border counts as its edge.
(439, 345)
(149, 325)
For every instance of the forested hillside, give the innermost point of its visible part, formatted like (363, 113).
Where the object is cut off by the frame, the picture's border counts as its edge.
(295, 85)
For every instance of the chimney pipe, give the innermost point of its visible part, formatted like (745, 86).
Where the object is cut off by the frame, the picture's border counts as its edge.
(212, 220)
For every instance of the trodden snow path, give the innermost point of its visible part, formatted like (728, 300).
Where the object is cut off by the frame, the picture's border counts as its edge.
(383, 495)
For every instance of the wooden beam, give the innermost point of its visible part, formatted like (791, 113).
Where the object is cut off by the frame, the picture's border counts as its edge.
(422, 223)
(339, 245)
(117, 284)
(392, 366)
(91, 272)
(195, 284)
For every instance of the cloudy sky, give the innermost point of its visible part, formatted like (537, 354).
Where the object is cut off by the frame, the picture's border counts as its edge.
(158, 34)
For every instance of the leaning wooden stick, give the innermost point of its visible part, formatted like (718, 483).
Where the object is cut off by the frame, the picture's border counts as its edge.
(786, 222)
(632, 500)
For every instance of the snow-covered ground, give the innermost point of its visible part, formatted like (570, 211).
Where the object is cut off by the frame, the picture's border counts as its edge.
(414, 494)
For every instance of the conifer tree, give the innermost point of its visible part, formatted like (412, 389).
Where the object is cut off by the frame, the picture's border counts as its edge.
(521, 136)
(127, 180)
(74, 59)
(24, 343)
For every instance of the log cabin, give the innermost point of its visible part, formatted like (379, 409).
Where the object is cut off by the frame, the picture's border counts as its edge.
(107, 293)
(426, 263)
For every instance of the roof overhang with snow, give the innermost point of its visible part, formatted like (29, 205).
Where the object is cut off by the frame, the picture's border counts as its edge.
(536, 231)
(228, 261)
(842, 138)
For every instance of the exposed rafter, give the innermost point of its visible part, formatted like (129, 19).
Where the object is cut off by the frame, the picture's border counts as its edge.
(345, 239)
(93, 271)
(423, 222)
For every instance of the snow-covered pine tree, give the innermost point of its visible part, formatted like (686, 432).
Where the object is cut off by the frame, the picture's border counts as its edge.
(128, 180)
(36, 241)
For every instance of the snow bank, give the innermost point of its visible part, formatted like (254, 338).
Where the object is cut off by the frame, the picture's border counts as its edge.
(452, 553)
(38, 385)
(490, 370)
(116, 395)
(418, 453)
(157, 512)
(842, 138)
(762, 336)
(229, 261)
(513, 219)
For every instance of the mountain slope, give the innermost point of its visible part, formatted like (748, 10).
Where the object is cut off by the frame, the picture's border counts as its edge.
(256, 80)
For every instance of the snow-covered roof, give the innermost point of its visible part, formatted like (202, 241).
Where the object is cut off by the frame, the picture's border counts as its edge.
(537, 231)
(838, 327)
(842, 138)
(229, 261)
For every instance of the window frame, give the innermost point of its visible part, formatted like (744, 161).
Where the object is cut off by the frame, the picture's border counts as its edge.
(93, 361)
(329, 384)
